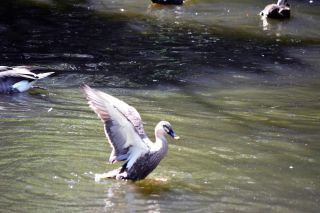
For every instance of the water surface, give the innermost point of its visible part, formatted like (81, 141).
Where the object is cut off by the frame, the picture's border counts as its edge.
(244, 99)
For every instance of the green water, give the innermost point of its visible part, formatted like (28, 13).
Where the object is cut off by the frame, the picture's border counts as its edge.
(244, 99)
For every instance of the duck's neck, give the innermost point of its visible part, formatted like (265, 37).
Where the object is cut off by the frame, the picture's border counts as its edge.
(160, 144)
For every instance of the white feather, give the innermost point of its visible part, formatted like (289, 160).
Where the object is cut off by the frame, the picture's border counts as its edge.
(23, 85)
(134, 154)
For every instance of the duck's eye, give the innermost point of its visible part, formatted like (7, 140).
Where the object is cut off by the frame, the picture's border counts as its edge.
(166, 128)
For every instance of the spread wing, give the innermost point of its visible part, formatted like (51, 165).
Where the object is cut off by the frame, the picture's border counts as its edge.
(122, 123)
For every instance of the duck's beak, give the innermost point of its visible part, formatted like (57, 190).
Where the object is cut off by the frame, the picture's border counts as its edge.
(173, 135)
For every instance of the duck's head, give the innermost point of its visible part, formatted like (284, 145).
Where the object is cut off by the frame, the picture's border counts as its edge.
(164, 127)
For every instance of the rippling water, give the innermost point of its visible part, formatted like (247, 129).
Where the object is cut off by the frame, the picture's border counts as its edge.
(243, 97)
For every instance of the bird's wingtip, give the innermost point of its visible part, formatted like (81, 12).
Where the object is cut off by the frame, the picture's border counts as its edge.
(87, 90)
(86, 87)
(45, 74)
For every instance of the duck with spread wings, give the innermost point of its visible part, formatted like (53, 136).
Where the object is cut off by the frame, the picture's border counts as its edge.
(125, 132)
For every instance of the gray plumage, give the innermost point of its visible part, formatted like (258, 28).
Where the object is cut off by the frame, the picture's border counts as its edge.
(124, 129)
(18, 79)
(280, 10)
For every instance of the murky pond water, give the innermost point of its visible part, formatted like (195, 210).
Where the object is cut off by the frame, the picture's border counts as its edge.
(243, 97)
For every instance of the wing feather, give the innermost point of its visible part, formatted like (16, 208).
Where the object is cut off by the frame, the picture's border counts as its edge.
(128, 112)
(119, 129)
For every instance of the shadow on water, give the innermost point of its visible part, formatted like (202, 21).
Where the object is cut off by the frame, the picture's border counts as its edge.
(128, 50)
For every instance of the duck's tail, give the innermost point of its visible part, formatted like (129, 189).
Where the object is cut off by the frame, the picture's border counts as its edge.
(43, 75)
(111, 174)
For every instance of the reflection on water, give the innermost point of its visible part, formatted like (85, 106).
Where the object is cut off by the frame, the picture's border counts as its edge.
(82, 41)
(244, 100)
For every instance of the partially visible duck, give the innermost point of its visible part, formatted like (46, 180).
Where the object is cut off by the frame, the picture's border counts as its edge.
(280, 10)
(176, 2)
(18, 79)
